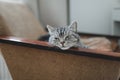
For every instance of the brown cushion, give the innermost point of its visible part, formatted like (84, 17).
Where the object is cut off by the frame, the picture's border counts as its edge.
(17, 20)
(2, 26)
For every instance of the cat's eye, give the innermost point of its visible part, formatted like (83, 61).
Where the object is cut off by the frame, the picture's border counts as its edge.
(56, 38)
(67, 38)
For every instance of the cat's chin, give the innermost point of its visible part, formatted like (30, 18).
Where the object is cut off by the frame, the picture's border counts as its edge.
(65, 48)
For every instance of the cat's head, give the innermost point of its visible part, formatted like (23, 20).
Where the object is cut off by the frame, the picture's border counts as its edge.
(63, 37)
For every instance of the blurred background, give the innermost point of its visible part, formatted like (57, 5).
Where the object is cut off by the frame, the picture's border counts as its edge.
(93, 16)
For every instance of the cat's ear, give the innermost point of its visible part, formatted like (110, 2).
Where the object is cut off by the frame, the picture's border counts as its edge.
(50, 29)
(73, 26)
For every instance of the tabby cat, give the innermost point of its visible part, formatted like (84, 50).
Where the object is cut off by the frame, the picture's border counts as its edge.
(65, 37)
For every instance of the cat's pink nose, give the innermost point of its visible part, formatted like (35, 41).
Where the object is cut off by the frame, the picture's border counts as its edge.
(62, 42)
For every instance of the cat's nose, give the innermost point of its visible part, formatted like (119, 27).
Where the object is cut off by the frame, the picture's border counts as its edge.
(62, 42)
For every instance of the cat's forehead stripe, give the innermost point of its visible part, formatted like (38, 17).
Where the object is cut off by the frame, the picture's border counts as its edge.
(61, 31)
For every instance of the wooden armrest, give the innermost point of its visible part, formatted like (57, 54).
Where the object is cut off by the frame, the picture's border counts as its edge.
(46, 46)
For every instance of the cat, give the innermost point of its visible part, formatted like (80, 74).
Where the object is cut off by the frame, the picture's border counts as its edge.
(67, 37)
(64, 37)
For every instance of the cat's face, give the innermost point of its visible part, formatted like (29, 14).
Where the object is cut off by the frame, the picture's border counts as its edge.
(63, 37)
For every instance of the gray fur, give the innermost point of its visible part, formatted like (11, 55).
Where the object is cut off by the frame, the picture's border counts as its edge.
(65, 37)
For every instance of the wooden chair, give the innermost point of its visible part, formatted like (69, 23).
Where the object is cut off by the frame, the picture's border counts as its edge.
(36, 60)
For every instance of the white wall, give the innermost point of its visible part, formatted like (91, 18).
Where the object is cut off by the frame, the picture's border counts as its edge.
(53, 12)
(13, 1)
(94, 16)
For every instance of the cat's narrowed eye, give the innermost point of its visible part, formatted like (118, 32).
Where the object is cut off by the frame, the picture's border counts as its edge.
(56, 38)
(67, 38)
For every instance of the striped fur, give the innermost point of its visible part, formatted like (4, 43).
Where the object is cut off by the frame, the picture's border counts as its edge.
(65, 37)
